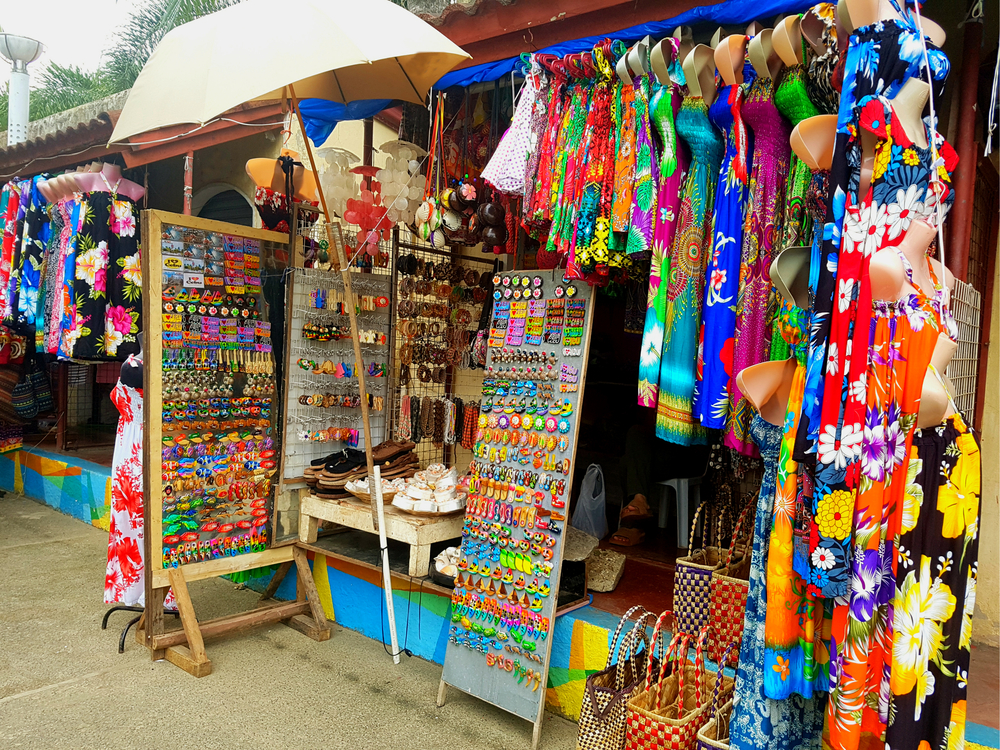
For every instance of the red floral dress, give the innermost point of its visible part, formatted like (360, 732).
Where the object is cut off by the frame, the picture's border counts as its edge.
(124, 582)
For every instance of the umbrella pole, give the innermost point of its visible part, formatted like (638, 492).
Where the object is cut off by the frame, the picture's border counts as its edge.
(345, 274)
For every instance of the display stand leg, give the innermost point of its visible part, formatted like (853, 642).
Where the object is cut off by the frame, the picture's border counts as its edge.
(536, 734)
(420, 560)
(191, 658)
(279, 576)
(442, 693)
(316, 627)
(154, 621)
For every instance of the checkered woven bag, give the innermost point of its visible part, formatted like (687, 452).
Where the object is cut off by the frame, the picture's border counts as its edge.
(715, 734)
(692, 600)
(730, 585)
(606, 693)
(667, 713)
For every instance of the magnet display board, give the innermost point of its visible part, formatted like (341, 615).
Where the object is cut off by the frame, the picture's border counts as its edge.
(503, 607)
(210, 445)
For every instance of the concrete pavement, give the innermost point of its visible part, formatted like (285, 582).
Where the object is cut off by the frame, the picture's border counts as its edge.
(64, 685)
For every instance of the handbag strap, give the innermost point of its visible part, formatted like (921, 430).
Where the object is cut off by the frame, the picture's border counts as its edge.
(679, 654)
(656, 640)
(736, 531)
(694, 525)
(618, 631)
(719, 679)
(634, 639)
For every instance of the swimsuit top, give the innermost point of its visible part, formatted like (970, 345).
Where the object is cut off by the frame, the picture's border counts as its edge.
(819, 81)
(275, 210)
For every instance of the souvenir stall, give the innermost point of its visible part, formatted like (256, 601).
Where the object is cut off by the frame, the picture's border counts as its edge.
(790, 202)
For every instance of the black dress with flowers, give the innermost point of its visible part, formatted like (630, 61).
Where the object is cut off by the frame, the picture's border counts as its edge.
(107, 291)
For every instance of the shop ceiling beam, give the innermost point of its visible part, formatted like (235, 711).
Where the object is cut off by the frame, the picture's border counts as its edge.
(262, 119)
(498, 32)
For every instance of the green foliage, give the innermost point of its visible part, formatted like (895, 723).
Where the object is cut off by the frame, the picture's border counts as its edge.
(57, 88)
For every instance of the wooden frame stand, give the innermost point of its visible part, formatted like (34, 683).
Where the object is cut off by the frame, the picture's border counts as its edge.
(185, 646)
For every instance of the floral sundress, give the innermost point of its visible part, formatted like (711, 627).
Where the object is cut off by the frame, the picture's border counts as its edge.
(104, 311)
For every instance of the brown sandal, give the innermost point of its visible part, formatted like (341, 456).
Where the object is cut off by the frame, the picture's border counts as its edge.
(627, 537)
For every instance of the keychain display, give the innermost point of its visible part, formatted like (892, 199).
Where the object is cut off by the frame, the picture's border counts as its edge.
(218, 454)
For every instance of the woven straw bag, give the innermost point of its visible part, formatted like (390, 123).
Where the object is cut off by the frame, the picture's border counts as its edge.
(715, 734)
(692, 600)
(606, 693)
(730, 585)
(667, 714)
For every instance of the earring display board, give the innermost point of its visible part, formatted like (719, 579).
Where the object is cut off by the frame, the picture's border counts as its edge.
(322, 408)
(210, 444)
(503, 607)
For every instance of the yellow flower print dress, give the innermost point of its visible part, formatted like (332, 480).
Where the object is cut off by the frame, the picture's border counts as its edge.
(935, 590)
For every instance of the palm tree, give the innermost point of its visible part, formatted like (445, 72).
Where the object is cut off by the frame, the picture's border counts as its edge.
(58, 88)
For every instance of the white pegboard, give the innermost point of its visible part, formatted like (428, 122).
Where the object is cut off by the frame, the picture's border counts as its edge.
(301, 419)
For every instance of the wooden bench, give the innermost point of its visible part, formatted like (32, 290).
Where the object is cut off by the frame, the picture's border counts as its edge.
(417, 531)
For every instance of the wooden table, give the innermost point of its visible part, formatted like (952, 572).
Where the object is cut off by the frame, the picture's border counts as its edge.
(417, 531)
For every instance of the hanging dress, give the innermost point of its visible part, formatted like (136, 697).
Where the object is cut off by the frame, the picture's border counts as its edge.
(641, 217)
(124, 582)
(758, 722)
(819, 78)
(792, 99)
(34, 243)
(685, 278)
(880, 59)
(10, 199)
(935, 594)
(764, 212)
(107, 289)
(711, 403)
(796, 637)
(506, 168)
(673, 163)
(869, 486)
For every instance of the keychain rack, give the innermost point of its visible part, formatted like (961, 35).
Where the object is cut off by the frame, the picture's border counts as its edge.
(201, 557)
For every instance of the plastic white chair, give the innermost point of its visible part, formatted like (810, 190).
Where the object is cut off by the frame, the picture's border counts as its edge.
(687, 495)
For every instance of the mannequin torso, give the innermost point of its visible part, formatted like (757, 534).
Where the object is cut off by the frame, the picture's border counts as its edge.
(767, 386)
(109, 179)
(729, 56)
(659, 60)
(268, 173)
(699, 71)
(787, 40)
(762, 56)
(813, 140)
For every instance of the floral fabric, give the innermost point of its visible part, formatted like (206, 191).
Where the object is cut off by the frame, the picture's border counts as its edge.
(641, 218)
(759, 722)
(880, 59)
(764, 213)
(672, 168)
(274, 208)
(935, 592)
(107, 290)
(684, 279)
(10, 199)
(711, 403)
(124, 581)
(33, 245)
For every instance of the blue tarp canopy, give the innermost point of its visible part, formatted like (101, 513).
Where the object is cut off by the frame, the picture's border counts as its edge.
(321, 116)
(729, 12)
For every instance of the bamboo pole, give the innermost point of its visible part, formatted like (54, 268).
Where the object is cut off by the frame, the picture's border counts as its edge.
(345, 274)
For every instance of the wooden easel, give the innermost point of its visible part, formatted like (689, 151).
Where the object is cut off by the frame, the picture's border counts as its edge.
(185, 646)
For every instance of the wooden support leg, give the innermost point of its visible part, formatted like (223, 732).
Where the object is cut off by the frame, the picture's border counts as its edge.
(308, 529)
(191, 658)
(154, 624)
(279, 576)
(442, 693)
(317, 626)
(420, 560)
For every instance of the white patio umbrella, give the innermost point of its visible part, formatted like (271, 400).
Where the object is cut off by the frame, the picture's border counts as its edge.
(257, 50)
(341, 50)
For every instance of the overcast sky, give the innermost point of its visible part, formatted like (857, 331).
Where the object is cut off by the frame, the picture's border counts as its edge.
(74, 32)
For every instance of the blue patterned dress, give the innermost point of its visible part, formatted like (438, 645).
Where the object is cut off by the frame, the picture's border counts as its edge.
(759, 722)
(722, 279)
